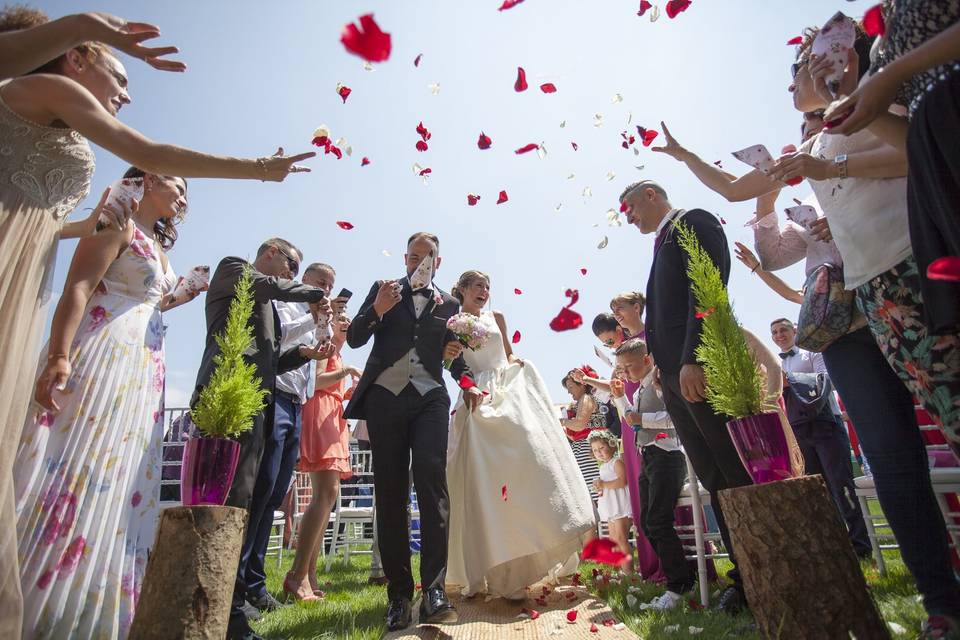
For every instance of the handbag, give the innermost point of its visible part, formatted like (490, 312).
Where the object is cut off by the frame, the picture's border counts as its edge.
(828, 311)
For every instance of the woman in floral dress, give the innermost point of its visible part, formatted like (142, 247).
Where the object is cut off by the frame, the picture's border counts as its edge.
(87, 471)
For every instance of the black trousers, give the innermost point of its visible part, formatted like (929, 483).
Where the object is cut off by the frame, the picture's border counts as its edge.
(707, 443)
(826, 451)
(661, 481)
(400, 426)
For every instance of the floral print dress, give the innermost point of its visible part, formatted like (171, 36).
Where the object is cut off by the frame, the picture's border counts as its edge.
(87, 479)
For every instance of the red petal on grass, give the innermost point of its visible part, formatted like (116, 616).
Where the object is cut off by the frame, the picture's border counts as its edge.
(484, 141)
(508, 4)
(594, 628)
(572, 616)
(503, 492)
(609, 622)
(421, 145)
(603, 551)
(516, 337)
(574, 145)
(344, 91)
(795, 40)
(647, 135)
(693, 604)
(705, 314)
(575, 580)
(548, 87)
(873, 22)
(472, 199)
(365, 161)
(517, 291)
(367, 41)
(422, 132)
(521, 82)
(466, 382)
(674, 7)
(946, 268)
(583, 271)
(526, 148)
(343, 224)
(416, 61)
(503, 197)
(644, 7)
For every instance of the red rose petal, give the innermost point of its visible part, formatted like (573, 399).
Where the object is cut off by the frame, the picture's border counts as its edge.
(424, 172)
(365, 161)
(517, 291)
(722, 221)
(705, 314)
(548, 87)
(343, 224)
(603, 551)
(946, 268)
(593, 628)
(570, 595)
(545, 590)
(503, 492)
(583, 271)
(344, 92)
(503, 197)
(609, 622)
(472, 199)
(646, 135)
(320, 141)
(623, 207)
(660, 436)
(795, 181)
(334, 150)
(575, 580)
(568, 319)
(644, 7)
(484, 141)
(466, 382)
(693, 604)
(574, 145)
(509, 4)
(873, 22)
(367, 41)
(526, 148)
(423, 133)
(674, 7)
(416, 61)
(421, 145)
(516, 337)
(572, 616)
(718, 163)
(795, 40)
(521, 82)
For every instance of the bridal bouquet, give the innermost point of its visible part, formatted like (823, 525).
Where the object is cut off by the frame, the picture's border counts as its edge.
(469, 332)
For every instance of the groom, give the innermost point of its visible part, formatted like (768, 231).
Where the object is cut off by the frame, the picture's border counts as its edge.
(405, 403)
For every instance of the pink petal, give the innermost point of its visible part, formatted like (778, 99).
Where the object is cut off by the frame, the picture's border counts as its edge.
(509, 4)
(503, 197)
(343, 224)
(416, 61)
(583, 271)
(516, 337)
(521, 82)
(795, 40)
(644, 7)
(472, 199)
(572, 616)
(503, 492)
(873, 22)
(365, 161)
(484, 141)
(517, 291)
(526, 148)
(548, 87)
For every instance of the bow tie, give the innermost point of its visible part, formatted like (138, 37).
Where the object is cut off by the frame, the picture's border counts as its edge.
(786, 355)
(426, 293)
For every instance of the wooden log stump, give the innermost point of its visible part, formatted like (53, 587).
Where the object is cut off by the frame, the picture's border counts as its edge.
(800, 574)
(190, 576)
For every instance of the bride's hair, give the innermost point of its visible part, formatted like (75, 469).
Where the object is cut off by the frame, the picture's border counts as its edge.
(467, 279)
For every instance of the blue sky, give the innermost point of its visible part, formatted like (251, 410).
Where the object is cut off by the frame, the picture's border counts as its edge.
(263, 75)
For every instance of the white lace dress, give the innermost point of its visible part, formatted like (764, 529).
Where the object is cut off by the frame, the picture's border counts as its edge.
(518, 505)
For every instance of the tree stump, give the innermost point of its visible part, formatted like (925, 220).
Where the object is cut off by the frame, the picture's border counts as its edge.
(800, 574)
(190, 576)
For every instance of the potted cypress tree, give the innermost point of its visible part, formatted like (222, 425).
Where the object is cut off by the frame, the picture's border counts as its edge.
(735, 382)
(225, 408)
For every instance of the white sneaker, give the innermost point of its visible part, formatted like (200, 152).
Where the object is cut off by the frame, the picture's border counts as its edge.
(669, 600)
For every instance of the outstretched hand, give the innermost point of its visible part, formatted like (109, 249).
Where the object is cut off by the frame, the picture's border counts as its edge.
(851, 114)
(321, 351)
(673, 148)
(746, 256)
(277, 167)
(129, 38)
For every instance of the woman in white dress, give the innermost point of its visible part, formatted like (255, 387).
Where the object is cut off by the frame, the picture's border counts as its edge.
(518, 506)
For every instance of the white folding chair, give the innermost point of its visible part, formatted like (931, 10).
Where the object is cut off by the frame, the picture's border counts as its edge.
(171, 454)
(354, 510)
(275, 542)
(695, 496)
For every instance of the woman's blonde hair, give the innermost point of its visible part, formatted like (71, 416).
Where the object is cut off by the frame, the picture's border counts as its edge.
(608, 439)
(20, 16)
(467, 279)
(629, 297)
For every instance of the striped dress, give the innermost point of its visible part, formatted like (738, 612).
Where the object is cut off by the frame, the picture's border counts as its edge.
(584, 455)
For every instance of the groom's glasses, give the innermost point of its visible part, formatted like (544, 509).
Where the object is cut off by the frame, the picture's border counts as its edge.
(292, 264)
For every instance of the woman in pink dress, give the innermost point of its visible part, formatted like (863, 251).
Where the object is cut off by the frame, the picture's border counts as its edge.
(325, 455)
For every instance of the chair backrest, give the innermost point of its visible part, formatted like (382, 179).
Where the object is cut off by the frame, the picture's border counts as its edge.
(174, 437)
(302, 492)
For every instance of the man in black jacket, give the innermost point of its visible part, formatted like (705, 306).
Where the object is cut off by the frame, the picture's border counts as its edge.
(673, 334)
(404, 400)
(277, 261)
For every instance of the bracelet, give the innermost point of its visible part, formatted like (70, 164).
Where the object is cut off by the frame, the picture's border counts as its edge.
(754, 270)
(57, 356)
(262, 163)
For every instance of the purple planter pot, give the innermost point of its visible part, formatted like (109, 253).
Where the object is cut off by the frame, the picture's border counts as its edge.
(762, 447)
(207, 472)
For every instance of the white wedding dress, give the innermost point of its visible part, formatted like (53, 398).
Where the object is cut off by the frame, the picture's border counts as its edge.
(519, 510)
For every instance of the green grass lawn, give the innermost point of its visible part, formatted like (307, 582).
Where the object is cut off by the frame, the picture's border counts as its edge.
(355, 610)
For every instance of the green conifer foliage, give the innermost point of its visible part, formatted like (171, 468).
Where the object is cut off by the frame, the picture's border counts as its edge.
(227, 405)
(735, 385)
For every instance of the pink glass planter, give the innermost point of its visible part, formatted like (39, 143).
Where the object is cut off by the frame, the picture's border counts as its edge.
(207, 472)
(762, 447)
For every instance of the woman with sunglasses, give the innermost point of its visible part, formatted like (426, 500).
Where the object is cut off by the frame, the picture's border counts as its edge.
(87, 471)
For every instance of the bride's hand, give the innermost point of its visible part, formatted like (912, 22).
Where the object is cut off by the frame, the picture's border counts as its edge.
(472, 397)
(515, 360)
(452, 351)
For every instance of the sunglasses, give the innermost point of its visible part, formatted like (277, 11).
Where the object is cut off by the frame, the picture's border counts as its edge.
(292, 264)
(796, 66)
(609, 342)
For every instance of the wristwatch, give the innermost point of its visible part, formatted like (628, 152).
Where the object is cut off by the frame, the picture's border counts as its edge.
(841, 162)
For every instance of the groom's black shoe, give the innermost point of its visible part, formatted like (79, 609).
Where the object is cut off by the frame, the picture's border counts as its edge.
(435, 608)
(398, 614)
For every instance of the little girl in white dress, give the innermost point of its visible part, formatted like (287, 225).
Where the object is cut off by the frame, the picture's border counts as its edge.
(613, 503)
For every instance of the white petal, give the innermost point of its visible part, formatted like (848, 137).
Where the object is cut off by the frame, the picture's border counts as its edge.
(629, 117)
(636, 151)
(655, 13)
(587, 192)
(695, 630)
(558, 207)
(639, 167)
(611, 175)
(563, 124)
(603, 243)
(571, 176)
(672, 628)
(631, 601)
(322, 131)
(617, 98)
(542, 151)
(386, 253)
(897, 628)
(367, 66)
(434, 88)
(598, 119)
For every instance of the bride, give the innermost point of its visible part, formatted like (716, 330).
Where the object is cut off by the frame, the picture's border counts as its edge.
(519, 510)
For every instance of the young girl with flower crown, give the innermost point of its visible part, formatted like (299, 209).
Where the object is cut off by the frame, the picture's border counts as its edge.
(614, 501)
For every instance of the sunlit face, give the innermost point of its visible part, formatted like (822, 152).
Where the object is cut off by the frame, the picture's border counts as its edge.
(643, 212)
(477, 293)
(627, 315)
(611, 339)
(321, 278)
(784, 336)
(805, 97)
(104, 77)
(601, 450)
(574, 389)
(277, 262)
(340, 326)
(166, 194)
(418, 250)
(634, 366)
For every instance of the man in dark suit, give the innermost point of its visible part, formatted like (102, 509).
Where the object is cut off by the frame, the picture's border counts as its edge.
(402, 397)
(673, 334)
(277, 261)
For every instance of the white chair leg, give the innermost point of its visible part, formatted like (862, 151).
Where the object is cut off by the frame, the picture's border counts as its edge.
(698, 535)
(872, 535)
(280, 551)
(334, 541)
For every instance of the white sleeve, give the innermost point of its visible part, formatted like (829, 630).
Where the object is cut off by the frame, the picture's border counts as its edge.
(658, 420)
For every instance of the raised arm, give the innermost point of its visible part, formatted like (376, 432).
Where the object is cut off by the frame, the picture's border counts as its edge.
(778, 247)
(734, 189)
(883, 162)
(27, 49)
(780, 287)
(367, 320)
(585, 408)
